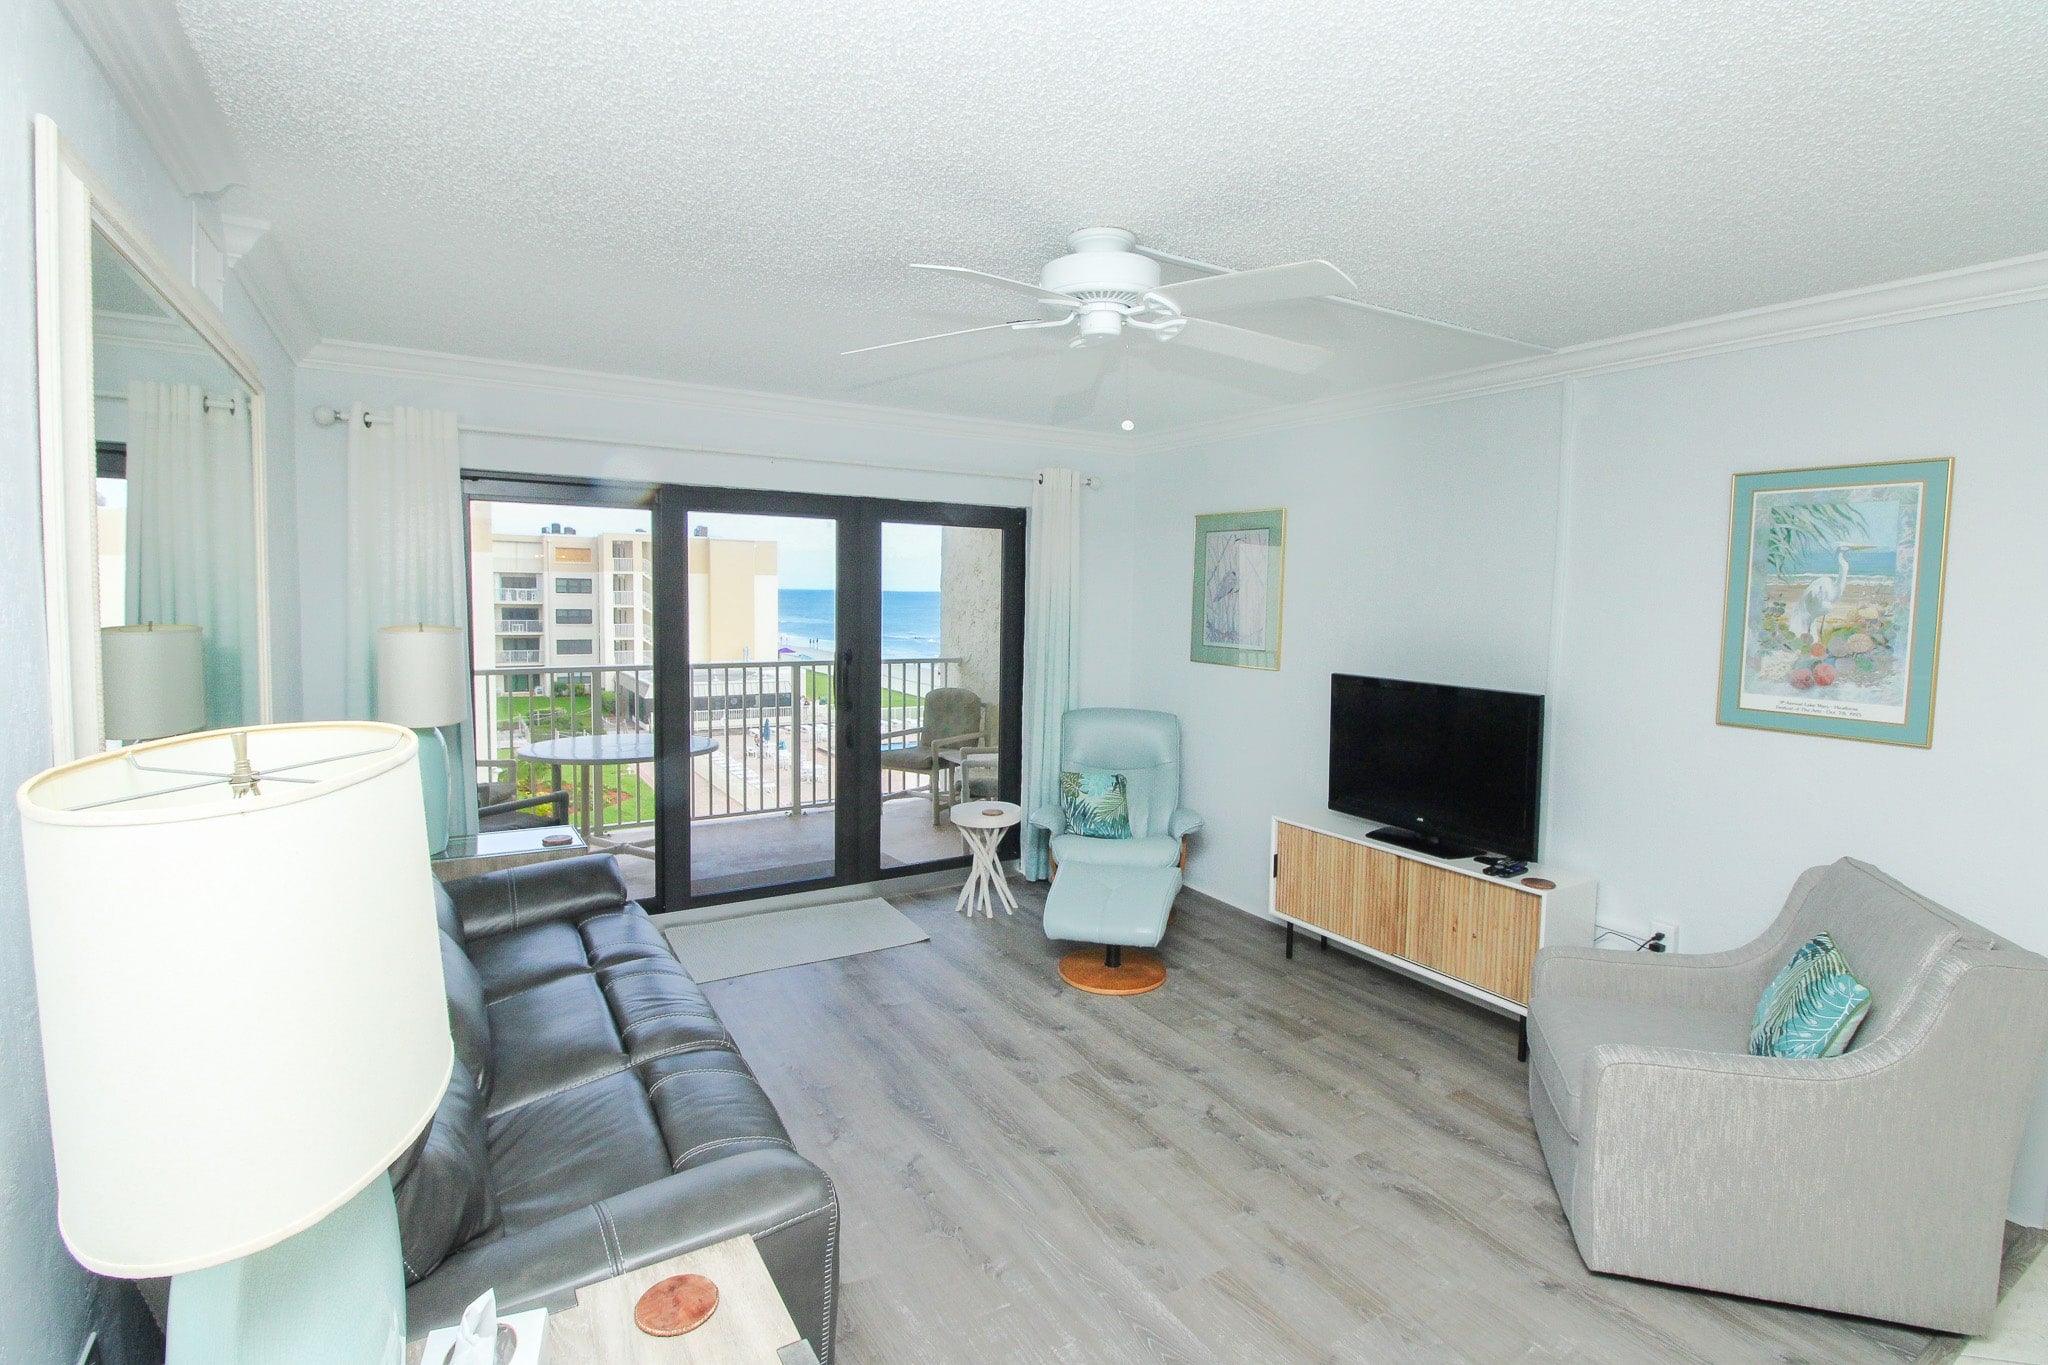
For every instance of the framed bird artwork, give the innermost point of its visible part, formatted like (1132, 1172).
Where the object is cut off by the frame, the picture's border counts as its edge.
(1832, 623)
(1235, 618)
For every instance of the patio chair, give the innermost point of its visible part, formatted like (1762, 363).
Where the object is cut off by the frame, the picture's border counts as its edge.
(499, 806)
(952, 719)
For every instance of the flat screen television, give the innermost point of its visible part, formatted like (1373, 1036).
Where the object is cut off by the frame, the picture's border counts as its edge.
(1451, 771)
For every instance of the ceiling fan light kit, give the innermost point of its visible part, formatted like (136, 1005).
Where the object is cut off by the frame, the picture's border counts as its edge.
(1101, 286)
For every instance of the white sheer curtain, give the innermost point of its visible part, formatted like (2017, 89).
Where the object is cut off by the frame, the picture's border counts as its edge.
(191, 526)
(406, 562)
(1052, 600)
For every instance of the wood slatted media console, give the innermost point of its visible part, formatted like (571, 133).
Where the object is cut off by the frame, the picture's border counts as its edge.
(1441, 920)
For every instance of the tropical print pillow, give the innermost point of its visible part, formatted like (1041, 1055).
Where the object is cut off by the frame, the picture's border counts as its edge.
(1812, 1007)
(1097, 804)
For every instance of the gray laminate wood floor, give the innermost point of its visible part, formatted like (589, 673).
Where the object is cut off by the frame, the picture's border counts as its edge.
(1265, 1160)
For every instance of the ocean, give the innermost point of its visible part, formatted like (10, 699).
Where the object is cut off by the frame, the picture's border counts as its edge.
(807, 623)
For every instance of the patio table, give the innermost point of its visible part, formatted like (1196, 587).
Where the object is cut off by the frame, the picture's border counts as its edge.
(587, 754)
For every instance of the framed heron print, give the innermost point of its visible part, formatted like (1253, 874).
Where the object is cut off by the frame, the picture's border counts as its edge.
(1238, 571)
(1833, 617)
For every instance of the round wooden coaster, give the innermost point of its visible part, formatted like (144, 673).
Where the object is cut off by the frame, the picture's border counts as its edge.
(1141, 972)
(1540, 883)
(678, 1304)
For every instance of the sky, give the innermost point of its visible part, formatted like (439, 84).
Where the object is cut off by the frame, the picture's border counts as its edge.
(806, 545)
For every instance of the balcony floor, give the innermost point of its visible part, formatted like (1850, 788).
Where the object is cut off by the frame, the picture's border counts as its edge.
(777, 847)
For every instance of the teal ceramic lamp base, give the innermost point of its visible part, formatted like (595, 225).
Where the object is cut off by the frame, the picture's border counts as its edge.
(434, 787)
(334, 1293)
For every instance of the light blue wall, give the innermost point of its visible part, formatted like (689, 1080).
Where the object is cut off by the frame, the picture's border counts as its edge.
(1579, 548)
(1420, 544)
(47, 1303)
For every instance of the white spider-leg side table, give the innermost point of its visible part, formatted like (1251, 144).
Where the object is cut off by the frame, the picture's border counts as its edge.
(982, 825)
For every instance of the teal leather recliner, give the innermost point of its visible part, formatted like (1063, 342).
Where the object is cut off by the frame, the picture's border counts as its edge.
(1118, 892)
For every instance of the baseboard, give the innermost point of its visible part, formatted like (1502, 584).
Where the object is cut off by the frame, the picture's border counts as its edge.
(1218, 901)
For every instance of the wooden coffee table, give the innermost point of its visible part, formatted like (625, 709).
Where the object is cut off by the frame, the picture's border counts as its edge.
(751, 1326)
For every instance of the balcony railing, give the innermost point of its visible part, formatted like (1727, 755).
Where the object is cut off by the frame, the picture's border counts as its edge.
(771, 730)
(518, 656)
(518, 627)
(519, 594)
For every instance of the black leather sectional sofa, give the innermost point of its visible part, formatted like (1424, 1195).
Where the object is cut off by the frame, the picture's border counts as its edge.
(600, 1117)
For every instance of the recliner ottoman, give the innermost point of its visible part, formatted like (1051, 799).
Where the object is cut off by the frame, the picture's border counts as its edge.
(599, 1118)
(1111, 904)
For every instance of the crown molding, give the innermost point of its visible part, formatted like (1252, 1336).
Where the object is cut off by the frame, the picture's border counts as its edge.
(2023, 279)
(149, 61)
(267, 280)
(239, 236)
(146, 333)
(399, 362)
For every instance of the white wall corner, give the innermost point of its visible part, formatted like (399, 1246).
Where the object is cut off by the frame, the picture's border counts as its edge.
(240, 234)
(261, 269)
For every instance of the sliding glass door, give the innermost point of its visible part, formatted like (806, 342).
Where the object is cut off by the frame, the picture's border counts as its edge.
(946, 667)
(742, 693)
(853, 667)
(762, 611)
(562, 628)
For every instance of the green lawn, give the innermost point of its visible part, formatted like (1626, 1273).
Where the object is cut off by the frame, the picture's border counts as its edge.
(568, 714)
(818, 688)
(627, 799)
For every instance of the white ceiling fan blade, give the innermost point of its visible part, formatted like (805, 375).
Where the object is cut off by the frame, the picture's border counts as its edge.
(1018, 286)
(1242, 288)
(1258, 348)
(941, 336)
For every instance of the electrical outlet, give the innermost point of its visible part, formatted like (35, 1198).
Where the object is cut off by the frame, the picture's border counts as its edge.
(89, 1354)
(1670, 932)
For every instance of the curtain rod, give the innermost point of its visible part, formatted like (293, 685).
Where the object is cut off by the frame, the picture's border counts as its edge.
(208, 401)
(327, 417)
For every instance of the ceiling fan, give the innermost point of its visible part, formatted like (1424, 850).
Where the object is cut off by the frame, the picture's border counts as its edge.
(1104, 285)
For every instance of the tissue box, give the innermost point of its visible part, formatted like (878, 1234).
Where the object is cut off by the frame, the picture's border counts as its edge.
(527, 1327)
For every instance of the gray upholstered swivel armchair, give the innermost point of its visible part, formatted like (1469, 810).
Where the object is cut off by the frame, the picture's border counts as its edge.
(1118, 892)
(1872, 1183)
(951, 719)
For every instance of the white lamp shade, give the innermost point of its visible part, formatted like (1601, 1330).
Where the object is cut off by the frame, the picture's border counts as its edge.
(243, 1016)
(152, 681)
(422, 676)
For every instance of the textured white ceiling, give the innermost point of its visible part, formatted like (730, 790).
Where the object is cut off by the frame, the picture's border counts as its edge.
(727, 191)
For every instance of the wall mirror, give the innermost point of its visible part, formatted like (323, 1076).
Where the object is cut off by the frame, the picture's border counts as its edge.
(152, 455)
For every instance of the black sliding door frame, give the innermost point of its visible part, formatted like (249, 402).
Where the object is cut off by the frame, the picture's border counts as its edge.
(572, 491)
(857, 798)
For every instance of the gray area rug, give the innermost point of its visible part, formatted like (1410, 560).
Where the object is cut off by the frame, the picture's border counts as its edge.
(745, 944)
